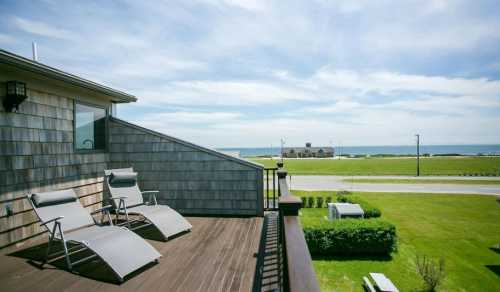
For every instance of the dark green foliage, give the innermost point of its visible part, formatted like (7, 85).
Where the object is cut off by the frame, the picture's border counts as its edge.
(370, 210)
(343, 193)
(310, 202)
(304, 201)
(319, 202)
(328, 200)
(350, 237)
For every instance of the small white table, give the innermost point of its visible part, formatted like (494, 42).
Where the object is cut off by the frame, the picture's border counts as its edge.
(383, 283)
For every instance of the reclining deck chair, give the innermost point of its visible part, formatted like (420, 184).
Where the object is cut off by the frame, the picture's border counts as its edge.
(68, 222)
(128, 200)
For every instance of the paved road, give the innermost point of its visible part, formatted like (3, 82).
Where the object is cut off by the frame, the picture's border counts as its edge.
(324, 182)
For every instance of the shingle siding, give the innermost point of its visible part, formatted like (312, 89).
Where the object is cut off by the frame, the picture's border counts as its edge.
(36, 154)
(191, 179)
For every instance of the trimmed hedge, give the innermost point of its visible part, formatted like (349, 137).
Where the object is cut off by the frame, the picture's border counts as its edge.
(370, 210)
(319, 202)
(344, 193)
(304, 202)
(351, 237)
(310, 202)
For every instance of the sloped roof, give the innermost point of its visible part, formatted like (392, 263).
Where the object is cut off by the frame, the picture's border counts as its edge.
(36, 67)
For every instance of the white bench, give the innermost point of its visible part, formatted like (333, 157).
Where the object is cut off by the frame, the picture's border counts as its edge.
(368, 285)
(383, 283)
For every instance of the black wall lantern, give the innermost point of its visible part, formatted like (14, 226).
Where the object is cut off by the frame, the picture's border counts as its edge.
(16, 94)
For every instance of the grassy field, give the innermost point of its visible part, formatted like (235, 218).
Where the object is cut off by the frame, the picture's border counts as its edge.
(390, 166)
(463, 229)
(423, 181)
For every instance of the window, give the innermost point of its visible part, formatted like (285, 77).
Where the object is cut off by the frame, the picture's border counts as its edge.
(90, 127)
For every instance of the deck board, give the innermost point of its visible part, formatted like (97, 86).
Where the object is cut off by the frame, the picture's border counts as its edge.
(217, 255)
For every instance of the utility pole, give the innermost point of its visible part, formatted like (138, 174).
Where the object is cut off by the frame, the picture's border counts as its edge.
(340, 149)
(282, 144)
(418, 154)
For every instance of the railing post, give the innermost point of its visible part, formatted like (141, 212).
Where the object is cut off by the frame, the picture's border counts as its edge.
(267, 187)
(298, 272)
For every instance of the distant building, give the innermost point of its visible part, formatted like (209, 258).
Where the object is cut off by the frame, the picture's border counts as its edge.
(308, 151)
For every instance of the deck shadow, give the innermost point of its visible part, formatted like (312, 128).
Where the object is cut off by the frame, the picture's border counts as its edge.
(150, 232)
(94, 269)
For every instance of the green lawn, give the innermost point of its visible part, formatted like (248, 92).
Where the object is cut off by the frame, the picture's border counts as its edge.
(390, 166)
(460, 228)
(423, 181)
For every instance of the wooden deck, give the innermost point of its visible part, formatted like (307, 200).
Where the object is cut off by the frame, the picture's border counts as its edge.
(219, 254)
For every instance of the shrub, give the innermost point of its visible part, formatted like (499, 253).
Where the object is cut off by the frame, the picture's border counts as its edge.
(350, 237)
(370, 210)
(343, 193)
(304, 201)
(431, 271)
(319, 202)
(310, 202)
(328, 200)
(342, 199)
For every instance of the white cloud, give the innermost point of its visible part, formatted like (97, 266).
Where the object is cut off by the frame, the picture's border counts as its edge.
(240, 72)
(42, 29)
(252, 5)
(384, 82)
(224, 93)
(6, 39)
(373, 128)
(438, 107)
(184, 117)
(153, 64)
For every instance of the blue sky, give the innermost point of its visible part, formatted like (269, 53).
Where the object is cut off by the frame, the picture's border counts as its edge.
(246, 73)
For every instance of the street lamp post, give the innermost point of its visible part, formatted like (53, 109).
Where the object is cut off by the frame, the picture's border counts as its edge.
(418, 154)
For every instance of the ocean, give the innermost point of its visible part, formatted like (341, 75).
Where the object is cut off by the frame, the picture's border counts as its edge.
(388, 150)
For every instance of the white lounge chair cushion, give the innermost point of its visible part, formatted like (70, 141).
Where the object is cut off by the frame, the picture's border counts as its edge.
(123, 178)
(63, 203)
(53, 198)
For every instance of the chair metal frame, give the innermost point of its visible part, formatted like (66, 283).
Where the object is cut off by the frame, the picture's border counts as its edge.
(58, 221)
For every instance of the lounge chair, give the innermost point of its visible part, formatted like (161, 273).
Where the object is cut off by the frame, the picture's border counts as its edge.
(128, 200)
(68, 222)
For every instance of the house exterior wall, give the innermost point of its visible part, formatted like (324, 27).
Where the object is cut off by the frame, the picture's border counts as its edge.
(190, 178)
(36, 154)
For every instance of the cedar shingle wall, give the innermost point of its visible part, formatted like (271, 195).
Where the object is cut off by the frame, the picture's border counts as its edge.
(191, 179)
(36, 154)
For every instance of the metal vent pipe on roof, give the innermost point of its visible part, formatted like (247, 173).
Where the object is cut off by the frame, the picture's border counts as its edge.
(35, 52)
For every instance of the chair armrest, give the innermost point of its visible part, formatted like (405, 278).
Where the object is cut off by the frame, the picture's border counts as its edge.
(119, 198)
(51, 220)
(105, 211)
(152, 196)
(148, 192)
(105, 208)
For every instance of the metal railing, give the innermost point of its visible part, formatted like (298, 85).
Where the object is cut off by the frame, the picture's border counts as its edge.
(270, 193)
